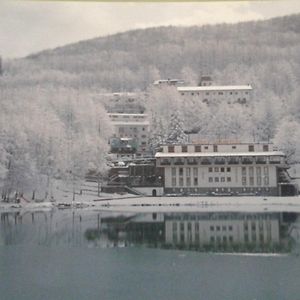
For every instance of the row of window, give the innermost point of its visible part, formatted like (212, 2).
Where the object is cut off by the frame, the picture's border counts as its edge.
(217, 169)
(197, 148)
(215, 93)
(219, 179)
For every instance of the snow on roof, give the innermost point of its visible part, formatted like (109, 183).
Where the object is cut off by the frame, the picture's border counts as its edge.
(214, 88)
(217, 154)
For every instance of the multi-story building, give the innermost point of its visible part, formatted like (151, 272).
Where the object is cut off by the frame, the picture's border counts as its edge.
(215, 94)
(132, 126)
(224, 169)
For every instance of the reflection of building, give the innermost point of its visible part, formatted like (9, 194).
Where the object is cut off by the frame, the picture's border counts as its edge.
(224, 169)
(218, 231)
(209, 93)
(223, 230)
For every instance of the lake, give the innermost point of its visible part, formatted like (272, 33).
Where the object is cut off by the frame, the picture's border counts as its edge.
(94, 254)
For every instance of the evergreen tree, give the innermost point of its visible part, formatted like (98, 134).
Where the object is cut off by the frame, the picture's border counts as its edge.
(175, 132)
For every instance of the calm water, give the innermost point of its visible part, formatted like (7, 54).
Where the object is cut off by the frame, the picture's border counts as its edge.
(96, 255)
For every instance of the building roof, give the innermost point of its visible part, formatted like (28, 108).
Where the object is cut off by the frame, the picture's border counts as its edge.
(218, 154)
(214, 88)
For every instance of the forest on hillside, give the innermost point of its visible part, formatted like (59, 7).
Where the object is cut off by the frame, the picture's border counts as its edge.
(50, 121)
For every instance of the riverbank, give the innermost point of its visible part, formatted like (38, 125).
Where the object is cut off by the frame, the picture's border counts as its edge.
(163, 204)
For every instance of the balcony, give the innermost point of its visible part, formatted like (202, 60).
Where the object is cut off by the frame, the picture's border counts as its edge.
(261, 161)
(247, 161)
(192, 162)
(179, 162)
(165, 163)
(206, 161)
(220, 161)
(233, 161)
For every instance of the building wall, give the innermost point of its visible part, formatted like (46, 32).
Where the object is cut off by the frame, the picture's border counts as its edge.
(218, 95)
(135, 126)
(226, 148)
(216, 176)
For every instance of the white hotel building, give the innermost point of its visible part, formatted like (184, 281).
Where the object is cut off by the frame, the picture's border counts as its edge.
(224, 169)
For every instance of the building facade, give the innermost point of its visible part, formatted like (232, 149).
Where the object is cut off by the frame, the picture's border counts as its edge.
(132, 126)
(223, 169)
(213, 94)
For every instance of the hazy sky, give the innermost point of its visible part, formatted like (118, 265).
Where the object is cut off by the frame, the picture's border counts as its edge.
(27, 27)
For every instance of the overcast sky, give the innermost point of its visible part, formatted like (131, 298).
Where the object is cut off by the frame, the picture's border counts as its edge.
(27, 27)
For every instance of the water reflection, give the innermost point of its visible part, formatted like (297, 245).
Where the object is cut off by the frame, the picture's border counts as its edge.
(263, 232)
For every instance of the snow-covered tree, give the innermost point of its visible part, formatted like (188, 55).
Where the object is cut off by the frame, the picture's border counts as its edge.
(287, 139)
(175, 133)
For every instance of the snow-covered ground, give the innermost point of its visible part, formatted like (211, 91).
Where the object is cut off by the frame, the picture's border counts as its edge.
(167, 204)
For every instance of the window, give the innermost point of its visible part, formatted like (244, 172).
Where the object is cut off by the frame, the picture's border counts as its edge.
(188, 172)
(233, 147)
(251, 148)
(180, 171)
(251, 181)
(218, 228)
(244, 181)
(228, 169)
(215, 148)
(174, 172)
(212, 228)
(195, 172)
(188, 181)
(216, 169)
(258, 171)
(174, 226)
(171, 149)
(197, 148)
(195, 181)
(266, 148)
(207, 93)
(210, 170)
(206, 147)
(258, 180)
(216, 179)
(210, 179)
(251, 171)
(222, 169)
(266, 180)
(222, 179)
(184, 149)
(230, 228)
(244, 171)
(228, 179)
(266, 171)
(173, 181)
(180, 181)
